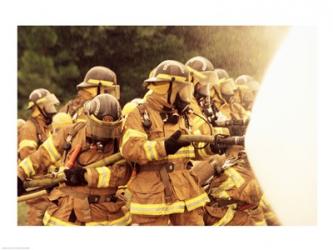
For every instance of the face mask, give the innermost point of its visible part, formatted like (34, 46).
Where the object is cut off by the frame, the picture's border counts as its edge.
(181, 106)
(170, 116)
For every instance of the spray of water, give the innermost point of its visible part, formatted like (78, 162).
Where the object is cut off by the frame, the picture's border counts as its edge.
(280, 139)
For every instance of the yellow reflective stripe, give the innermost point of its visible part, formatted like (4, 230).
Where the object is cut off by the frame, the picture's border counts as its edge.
(122, 221)
(27, 167)
(104, 176)
(157, 209)
(196, 202)
(220, 191)
(27, 143)
(49, 220)
(222, 194)
(228, 216)
(261, 223)
(167, 77)
(133, 133)
(185, 152)
(235, 176)
(150, 150)
(197, 73)
(103, 82)
(51, 149)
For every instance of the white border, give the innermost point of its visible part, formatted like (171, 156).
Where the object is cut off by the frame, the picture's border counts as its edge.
(169, 12)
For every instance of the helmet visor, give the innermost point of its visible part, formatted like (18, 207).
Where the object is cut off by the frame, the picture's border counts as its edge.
(48, 103)
(186, 92)
(228, 87)
(103, 130)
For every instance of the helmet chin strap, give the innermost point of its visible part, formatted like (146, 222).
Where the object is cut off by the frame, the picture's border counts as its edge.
(170, 90)
(47, 118)
(99, 88)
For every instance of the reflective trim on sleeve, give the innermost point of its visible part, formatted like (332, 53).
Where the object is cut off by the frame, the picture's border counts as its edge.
(150, 150)
(261, 223)
(104, 176)
(26, 165)
(51, 150)
(122, 221)
(157, 209)
(220, 191)
(196, 202)
(27, 143)
(228, 216)
(132, 133)
(235, 176)
(184, 152)
(49, 220)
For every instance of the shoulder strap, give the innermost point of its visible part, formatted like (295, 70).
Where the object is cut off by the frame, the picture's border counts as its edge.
(146, 122)
(71, 134)
(39, 132)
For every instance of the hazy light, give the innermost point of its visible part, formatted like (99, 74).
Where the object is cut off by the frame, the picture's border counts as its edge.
(280, 139)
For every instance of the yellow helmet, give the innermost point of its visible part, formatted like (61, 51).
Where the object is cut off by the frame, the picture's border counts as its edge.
(172, 78)
(202, 74)
(61, 120)
(104, 119)
(130, 106)
(101, 77)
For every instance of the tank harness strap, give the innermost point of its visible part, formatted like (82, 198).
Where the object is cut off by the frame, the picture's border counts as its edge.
(146, 122)
(39, 131)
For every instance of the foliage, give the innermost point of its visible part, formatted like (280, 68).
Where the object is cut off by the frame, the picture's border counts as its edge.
(57, 57)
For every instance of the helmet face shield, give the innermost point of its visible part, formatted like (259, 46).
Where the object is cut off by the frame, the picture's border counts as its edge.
(203, 81)
(186, 93)
(210, 77)
(48, 103)
(228, 87)
(103, 130)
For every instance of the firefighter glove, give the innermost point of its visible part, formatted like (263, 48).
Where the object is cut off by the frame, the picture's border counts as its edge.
(20, 187)
(172, 145)
(75, 176)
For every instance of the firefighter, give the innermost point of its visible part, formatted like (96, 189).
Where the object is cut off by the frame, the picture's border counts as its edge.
(98, 80)
(236, 196)
(32, 134)
(247, 91)
(222, 94)
(88, 196)
(163, 190)
(35, 130)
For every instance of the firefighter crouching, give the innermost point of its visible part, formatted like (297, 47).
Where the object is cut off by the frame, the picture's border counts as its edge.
(163, 190)
(88, 196)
